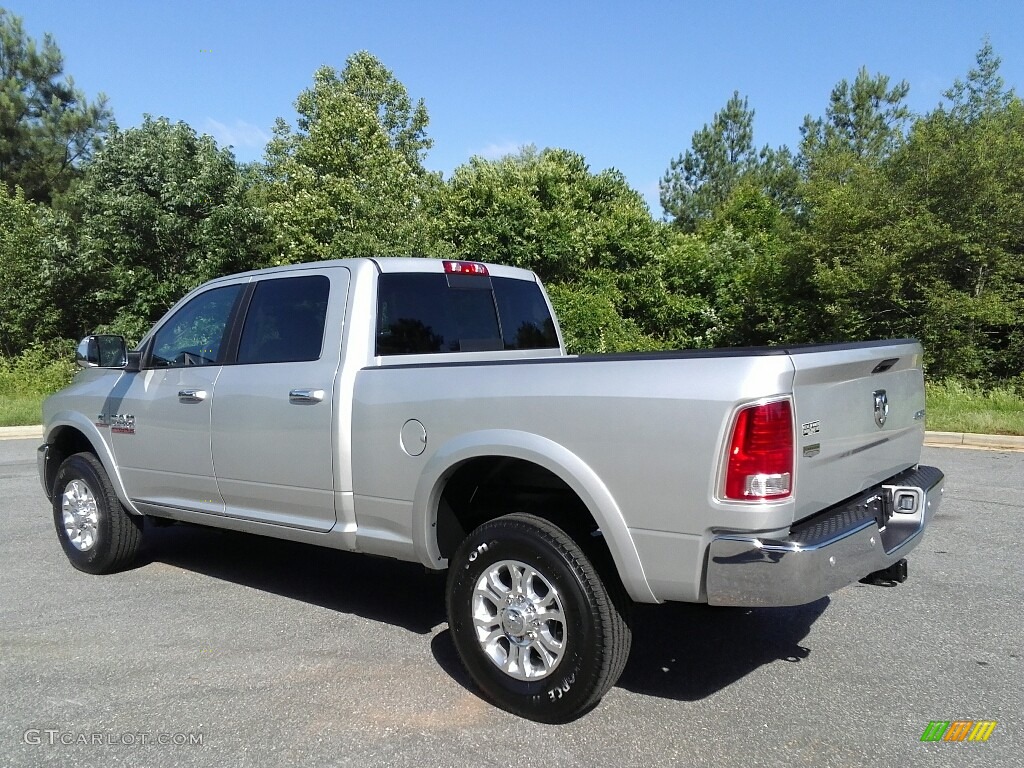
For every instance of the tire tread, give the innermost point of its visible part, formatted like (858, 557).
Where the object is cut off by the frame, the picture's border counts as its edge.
(606, 596)
(123, 528)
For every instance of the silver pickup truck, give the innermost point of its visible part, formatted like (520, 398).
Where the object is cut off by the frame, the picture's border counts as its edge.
(427, 411)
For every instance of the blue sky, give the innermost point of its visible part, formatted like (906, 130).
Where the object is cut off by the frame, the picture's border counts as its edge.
(624, 84)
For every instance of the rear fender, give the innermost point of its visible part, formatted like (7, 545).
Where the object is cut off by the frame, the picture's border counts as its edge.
(545, 453)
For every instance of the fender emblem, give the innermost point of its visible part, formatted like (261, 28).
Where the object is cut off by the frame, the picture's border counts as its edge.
(122, 424)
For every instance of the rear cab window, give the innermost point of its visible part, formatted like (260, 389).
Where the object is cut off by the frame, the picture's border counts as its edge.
(430, 313)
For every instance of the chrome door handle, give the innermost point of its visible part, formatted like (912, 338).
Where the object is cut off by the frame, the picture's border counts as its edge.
(191, 395)
(305, 396)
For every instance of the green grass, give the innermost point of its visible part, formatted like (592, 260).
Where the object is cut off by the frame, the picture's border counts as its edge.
(21, 410)
(954, 406)
(27, 379)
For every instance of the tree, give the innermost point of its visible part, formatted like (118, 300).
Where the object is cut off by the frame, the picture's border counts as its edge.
(545, 211)
(350, 181)
(851, 242)
(590, 318)
(47, 128)
(983, 92)
(964, 171)
(844, 246)
(757, 283)
(919, 234)
(588, 235)
(159, 210)
(864, 122)
(721, 153)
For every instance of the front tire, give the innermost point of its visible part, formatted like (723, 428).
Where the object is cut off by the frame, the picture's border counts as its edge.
(535, 626)
(97, 533)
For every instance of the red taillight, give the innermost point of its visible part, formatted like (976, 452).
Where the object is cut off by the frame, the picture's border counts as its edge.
(761, 453)
(464, 268)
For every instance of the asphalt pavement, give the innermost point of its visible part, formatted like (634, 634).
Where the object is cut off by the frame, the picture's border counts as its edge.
(224, 649)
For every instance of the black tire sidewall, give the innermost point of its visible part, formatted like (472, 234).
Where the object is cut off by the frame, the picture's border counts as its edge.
(98, 558)
(569, 690)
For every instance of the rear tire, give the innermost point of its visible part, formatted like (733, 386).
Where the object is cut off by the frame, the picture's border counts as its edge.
(97, 533)
(535, 626)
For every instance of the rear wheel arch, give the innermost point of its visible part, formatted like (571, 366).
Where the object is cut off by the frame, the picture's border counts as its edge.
(569, 493)
(487, 487)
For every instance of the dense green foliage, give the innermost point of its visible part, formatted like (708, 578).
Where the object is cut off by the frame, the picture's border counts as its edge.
(920, 235)
(25, 380)
(882, 223)
(158, 211)
(32, 274)
(38, 370)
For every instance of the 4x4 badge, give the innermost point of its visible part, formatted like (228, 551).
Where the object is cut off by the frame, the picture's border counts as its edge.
(881, 407)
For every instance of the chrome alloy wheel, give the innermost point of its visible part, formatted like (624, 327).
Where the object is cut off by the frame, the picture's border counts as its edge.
(519, 620)
(81, 515)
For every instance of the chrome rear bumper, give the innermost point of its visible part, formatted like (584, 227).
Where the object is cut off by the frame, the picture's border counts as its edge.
(828, 551)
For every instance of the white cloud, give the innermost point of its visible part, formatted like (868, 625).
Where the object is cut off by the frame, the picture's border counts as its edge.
(494, 151)
(240, 134)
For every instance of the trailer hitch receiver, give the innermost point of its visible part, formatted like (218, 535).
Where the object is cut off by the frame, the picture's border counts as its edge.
(888, 577)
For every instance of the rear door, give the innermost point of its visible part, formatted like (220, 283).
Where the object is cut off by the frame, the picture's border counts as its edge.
(859, 418)
(274, 420)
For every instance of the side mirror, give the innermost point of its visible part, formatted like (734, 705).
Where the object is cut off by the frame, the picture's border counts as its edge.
(101, 351)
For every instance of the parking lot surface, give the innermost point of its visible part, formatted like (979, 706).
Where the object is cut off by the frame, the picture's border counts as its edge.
(224, 649)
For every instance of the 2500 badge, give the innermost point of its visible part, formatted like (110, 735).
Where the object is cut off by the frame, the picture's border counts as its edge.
(122, 424)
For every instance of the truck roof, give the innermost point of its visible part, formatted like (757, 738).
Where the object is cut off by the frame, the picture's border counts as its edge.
(386, 264)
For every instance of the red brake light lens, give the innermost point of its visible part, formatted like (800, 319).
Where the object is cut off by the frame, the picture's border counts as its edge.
(761, 453)
(465, 268)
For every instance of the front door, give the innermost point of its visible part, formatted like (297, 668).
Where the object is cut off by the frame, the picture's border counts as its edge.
(159, 418)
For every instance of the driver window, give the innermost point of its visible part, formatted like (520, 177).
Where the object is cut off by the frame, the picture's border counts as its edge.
(193, 335)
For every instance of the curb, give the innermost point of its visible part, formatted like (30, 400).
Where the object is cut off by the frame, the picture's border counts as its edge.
(931, 439)
(967, 440)
(17, 433)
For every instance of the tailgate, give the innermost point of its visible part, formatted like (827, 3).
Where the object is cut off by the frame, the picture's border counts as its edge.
(859, 418)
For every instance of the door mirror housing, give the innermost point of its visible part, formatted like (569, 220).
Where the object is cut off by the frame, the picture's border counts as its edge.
(102, 351)
(134, 362)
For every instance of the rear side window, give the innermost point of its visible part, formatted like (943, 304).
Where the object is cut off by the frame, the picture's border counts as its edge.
(285, 320)
(433, 313)
(525, 320)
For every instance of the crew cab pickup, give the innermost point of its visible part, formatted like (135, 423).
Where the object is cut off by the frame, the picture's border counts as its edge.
(427, 411)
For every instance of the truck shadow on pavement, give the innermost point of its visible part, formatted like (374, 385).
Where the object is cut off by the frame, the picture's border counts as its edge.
(688, 652)
(680, 651)
(391, 591)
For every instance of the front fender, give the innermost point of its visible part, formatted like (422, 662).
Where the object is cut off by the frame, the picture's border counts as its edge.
(545, 453)
(100, 443)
